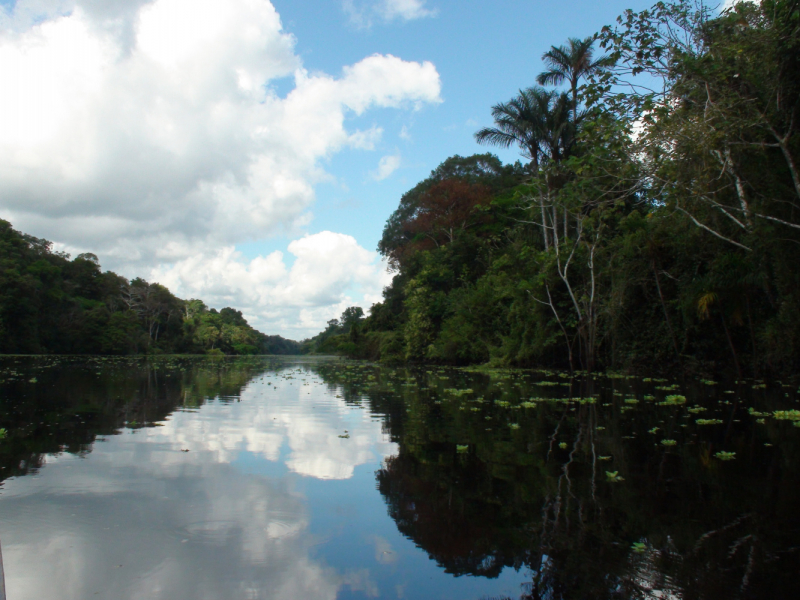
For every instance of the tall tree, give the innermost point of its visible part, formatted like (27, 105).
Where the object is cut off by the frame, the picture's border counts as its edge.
(571, 63)
(537, 120)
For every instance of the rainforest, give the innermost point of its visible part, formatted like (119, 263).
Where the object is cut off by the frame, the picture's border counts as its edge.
(653, 221)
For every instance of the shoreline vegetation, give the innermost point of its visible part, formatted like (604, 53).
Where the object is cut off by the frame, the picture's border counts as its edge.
(51, 304)
(654, 224)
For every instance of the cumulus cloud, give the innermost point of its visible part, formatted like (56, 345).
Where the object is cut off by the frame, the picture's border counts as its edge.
(147, 131)
(364, 14)
(387, 165)
(328, 267)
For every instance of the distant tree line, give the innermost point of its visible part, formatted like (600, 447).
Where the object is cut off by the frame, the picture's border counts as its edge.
(341, 336)
(50, 304)
(655, 222)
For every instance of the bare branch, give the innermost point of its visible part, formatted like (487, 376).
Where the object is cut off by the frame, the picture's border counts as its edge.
(712, 232)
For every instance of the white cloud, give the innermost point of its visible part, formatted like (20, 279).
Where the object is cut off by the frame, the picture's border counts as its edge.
(366, 140)
(386, 166)
(330, 272)
(407, 10)
(147, 131)
(364, 14)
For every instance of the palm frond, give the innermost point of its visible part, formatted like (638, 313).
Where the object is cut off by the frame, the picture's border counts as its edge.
(571, 62)
(495, 137)
(551, 77)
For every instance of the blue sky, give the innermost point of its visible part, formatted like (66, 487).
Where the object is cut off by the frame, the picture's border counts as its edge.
(483, 51)
(231, 149)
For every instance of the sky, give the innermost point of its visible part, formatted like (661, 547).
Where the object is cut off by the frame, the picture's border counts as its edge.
(249, 152)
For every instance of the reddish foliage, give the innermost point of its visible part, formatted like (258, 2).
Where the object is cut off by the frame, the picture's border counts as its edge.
(446, 208)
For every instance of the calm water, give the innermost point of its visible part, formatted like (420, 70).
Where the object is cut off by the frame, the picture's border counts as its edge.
(186, 478)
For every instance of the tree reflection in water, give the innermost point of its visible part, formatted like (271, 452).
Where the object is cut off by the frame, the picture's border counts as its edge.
(532, 491)
(77, 399)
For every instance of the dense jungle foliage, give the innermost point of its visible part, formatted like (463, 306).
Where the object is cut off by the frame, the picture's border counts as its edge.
(655, 223)
(50, 304)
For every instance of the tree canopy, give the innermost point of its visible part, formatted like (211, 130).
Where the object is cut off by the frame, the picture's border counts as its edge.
(51, 304)
(655, 221)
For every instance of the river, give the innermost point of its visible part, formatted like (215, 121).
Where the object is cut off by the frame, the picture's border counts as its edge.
(320, 478)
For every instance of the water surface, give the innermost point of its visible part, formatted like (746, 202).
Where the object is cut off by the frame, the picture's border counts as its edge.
(320, 478)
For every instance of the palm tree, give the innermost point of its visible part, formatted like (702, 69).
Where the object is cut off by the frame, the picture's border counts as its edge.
(571, 63)
(537, 120)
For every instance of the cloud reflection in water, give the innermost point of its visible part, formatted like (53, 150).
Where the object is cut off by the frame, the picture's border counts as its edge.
(138, 518)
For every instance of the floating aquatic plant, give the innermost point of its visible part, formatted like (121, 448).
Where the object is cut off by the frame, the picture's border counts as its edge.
(725, 455)
(462, 449)
(708, 421)
(673, 400)
(603, 458)
(787, 415)
(563, 445)
(669, 442)
(613, 477)
(457, 392)
(653, 430)
(638, 547)
(668, 388)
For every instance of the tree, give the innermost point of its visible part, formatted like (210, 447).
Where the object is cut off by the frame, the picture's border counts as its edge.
(443, 212)
(718, 135)
(571, 64)
(482, 169)
(537, 120)
(351, 317)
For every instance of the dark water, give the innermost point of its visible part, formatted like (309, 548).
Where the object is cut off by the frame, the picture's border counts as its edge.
(249, 478)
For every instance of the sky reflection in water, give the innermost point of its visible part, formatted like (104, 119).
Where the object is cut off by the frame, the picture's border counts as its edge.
(270, 501)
